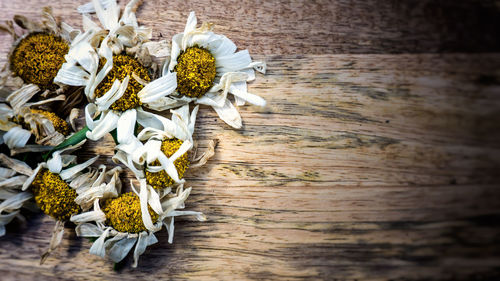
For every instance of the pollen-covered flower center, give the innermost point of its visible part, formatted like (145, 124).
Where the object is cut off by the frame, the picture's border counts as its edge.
(38, 57)
(123, 66)
(124, 213)
(195, 72)
(161, 179)
(60, 125)
(54, 196)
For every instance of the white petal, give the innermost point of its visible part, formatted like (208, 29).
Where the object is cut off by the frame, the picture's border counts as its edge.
(143, 197)
(204, 39)
(160, 87)
(164, 103)
(239, 101)
(153, 149)
(93, 216)
(45, 101)
(105, 125)
(260, 66)
(170, 230)
(193, 119)
(158, 49)
(107, 53)
(90, 111)
(199, 215)
(5, 111)
(175, 52)
(69, 173)
(190, 23)
(6, 172)
(213, 99)
(120, 249)
(126, 126)
(227, 47)
(128, 15)
(229, 114)
(97, 216)
(68, 32)
(107, 16)
(151, 120)
(85, 55)
(15, 165)
(15, 202)
(216, 98)
(233, 62)
(16, 137)
(185, 147)
(126, 160)
(88, 24)
(144, 241)
(21, 96)
(71, 75)
(169, 167)
(5, 219)
(154, 200)
(88, 230)
(238, 91)
(55, 163)
(113, 94)
(98, 246)
(28, 182)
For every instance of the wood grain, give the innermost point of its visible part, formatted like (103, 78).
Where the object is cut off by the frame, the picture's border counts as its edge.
(367, 166)
(318, 27)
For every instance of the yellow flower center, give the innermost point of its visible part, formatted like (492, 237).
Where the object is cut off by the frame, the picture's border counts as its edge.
(124, 213)
(161, 179)
(195, 72)
(54, 196)
(38, 57)
(123, 66)
(60, 125)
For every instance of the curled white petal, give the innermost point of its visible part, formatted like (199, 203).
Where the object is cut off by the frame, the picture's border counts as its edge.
(103, 126)
(55, 164)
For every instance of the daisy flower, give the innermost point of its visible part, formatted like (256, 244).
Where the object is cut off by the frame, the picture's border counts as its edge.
(37, 55)
(160, 163)
(51, 183)
(115, 72)
(208, 68)
(118, 223)
(13, 174)
(19, 119)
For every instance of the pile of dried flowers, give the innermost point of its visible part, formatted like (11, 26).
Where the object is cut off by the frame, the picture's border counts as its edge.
(127, 84)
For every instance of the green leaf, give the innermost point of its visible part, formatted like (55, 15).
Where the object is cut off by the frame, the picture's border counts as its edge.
(114, 134)
(74, 139)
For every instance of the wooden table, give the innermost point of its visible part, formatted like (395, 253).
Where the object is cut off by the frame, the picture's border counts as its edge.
(377, 156)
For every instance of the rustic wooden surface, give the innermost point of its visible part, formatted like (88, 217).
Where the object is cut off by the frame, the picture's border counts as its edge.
(372, 159)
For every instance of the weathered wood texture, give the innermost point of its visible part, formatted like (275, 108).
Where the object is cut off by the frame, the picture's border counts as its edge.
(361, 166)
(320, 27)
